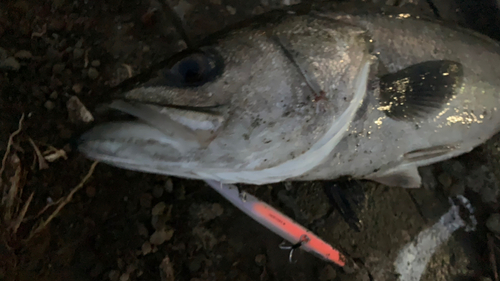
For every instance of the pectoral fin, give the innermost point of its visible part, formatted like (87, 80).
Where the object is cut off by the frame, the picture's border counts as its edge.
(420, 89)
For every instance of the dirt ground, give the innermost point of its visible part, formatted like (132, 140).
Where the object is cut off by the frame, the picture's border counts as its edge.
(124, 225)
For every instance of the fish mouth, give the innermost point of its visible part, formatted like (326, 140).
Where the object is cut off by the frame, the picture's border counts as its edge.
(159, 139)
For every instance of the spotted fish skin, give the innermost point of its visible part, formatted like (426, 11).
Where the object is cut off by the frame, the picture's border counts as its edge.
(311, 97)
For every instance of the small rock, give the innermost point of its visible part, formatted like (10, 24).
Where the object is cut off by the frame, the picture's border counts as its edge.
(77, 111)
(114, 275)
(10, 63)
(195, 264)
(125, 277)
(58, 68)
(23, 54)
(160, 236)
(327, 273)
(231, 10)
(53, 95)
(158, 191)
(146, 200)
(158, 209)
(77, 88)
(95, 63)
(146, 248)
(445, 180)
(169, 185)
(49, 105)
(493, 223)
(260, 260)
(78, 53)
(93, 73)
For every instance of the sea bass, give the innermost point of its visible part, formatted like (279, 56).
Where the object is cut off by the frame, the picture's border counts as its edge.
(311, 97)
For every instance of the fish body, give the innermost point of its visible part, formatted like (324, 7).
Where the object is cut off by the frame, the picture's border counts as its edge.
(311, 97)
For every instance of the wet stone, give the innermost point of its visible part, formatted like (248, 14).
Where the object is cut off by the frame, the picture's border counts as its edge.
(53, 95)
(158, 209)
(169, 185)
(146, 248)
(114, 275)
(493, 223)
(93, 73)
(10, 63)
(78, 53)
(23, 54)
(260, 260)
(157, 191)
(445, 180)
(58, 68)
(95, 63)
(49, 105)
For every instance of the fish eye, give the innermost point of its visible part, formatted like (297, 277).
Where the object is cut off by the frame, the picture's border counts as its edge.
(194, 69)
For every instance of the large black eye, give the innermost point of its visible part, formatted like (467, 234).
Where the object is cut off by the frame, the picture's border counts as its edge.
(193, 69)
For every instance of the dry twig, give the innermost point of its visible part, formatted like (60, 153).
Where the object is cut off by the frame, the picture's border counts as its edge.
(63, 203)
(9, 145)
(17, 223)
(42, 164)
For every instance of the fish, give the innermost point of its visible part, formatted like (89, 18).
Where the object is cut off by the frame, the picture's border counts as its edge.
(304, 97)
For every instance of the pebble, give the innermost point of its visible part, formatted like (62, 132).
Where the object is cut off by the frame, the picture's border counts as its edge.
(78, 53)
(114, 275)
(77, 88)
(260, 259)
(125, 277)
(77, 111)
(10, 63)
(327, 273)
(445, 180)
(160, 236)
(93, 73)
(158, 209)
(231, 10)
(53, 95)
(58, 68)
(49, 105)
(95, 63)
(493, 223)
(195, 264)
(146, 248)
(23, 54)
(158, 191)
(169, 185)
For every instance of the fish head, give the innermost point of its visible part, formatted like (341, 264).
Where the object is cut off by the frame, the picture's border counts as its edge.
(260, 104)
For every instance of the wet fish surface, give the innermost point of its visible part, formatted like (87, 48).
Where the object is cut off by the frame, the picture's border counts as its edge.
(311, 97)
